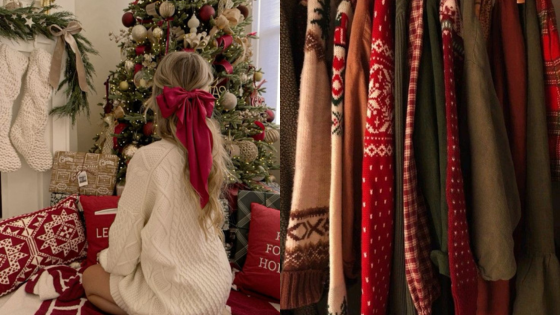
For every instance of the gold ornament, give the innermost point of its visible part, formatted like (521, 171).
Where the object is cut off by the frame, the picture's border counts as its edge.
(123, 86)
(271, 135)
(248, 151)
(258, 76)
(130, 150)
(158, 33)
(139, 33)
(167, 9)
(229, 101)
(233, 150)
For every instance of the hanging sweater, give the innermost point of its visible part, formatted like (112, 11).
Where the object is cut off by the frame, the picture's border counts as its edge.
(158, 257)
(337, 287)
(538, 267)
(307, 249)
(355, 103)
(378, 177)
(462, 268)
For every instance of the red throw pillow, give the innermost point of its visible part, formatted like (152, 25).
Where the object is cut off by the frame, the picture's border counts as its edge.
(29, 242)
(261, 271)
(99, 212)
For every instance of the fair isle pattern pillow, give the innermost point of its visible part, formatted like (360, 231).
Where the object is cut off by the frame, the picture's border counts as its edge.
(52, 236)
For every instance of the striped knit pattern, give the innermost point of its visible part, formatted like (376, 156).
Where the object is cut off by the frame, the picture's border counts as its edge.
(420, 273)
(378, 172)
(462, 268)
(306, 256)
(337, 286)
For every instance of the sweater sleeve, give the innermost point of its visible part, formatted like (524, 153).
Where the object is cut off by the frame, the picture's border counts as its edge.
(125, 243)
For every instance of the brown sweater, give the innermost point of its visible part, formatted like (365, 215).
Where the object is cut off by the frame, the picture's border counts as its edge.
(355, 105)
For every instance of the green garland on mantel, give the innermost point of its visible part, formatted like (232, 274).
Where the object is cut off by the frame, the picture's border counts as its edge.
(29, 22)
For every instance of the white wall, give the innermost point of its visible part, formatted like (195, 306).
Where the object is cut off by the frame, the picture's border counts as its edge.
(98, 18)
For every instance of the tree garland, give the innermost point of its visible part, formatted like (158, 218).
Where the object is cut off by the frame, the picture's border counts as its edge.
(29, 22)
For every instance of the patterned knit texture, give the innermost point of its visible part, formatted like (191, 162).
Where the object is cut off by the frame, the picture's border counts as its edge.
(158, 257)
(419, 270)
(12, 67)
(462, 268)
(28, 131)
(337, 287)
(306, 256)
(378, 171)
(551, 54)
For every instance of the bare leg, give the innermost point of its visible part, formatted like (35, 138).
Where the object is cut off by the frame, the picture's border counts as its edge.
(96, 284)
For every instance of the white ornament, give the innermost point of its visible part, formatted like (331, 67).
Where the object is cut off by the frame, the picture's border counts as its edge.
(139, 33)
(167, 9)
(129, 65)
(193, 24)
(29, 22)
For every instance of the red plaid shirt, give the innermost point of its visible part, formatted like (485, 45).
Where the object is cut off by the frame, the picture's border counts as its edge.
(551, 55)
(420, 272)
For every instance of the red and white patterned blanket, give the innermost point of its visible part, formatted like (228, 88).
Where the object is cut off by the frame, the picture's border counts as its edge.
(58, 290)
(54, 290)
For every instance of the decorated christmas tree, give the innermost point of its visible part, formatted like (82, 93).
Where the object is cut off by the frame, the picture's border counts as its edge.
(215, 29)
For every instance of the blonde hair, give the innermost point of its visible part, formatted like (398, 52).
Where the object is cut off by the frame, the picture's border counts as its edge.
(190, 71)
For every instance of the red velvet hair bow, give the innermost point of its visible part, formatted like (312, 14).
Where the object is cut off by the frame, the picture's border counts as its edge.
(192, 108)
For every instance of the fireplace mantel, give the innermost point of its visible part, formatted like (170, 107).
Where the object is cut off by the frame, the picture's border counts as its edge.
(26, 190)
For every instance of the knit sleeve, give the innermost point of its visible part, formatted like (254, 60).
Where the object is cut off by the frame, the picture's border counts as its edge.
(125, 243)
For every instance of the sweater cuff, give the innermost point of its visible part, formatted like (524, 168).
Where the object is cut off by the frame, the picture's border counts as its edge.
(103, 259)
(300, 288)
(114, 281)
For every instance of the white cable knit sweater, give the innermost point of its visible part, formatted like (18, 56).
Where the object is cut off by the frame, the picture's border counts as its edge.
(158, 257)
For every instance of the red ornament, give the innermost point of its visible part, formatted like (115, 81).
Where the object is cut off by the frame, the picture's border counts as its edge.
(260, 136)
(137, 67)
(270, 115)
(118, 130)
(206, 13)
(128, 19)
(140, 50)
(148, 129)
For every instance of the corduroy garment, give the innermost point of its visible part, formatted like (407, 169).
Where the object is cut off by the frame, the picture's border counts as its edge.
(306, 254)
(538, 272)
(378, 173)
(493, 202)
(355, 103)
(337, 301)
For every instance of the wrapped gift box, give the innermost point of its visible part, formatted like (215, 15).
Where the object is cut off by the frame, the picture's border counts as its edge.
(244, 200)
(101, 170)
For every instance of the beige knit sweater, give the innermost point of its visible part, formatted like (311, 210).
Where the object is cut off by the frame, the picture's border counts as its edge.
(307, 250)
(158, 257)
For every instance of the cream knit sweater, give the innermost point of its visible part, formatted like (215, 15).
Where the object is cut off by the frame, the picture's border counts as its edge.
(158, 257)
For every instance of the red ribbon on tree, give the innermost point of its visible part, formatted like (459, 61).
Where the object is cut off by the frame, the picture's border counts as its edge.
(160, 23)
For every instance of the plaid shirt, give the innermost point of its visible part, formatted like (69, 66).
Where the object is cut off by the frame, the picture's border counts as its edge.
(551, 55)
(419, 270)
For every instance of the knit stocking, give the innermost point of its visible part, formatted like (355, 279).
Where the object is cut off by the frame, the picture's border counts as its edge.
(12, 67)
(28, 132)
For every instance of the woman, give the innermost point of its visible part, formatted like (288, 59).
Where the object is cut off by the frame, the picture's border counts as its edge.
(165, 255)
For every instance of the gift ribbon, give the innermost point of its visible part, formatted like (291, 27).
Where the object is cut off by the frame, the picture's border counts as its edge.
(66, 35)
(226, 40)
